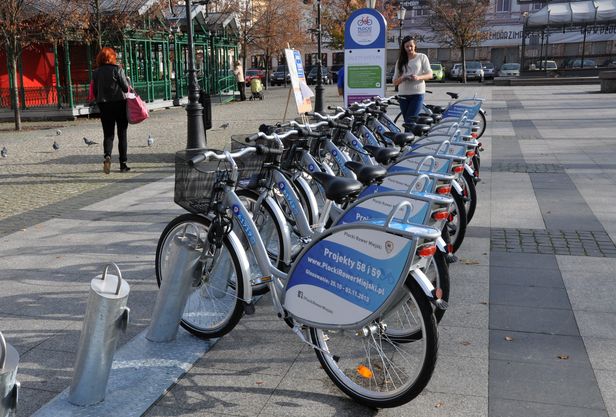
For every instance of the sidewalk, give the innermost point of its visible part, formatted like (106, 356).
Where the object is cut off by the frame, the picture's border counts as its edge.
(531, 327)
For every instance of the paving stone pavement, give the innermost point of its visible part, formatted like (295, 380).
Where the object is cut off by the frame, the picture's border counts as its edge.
(530, 331)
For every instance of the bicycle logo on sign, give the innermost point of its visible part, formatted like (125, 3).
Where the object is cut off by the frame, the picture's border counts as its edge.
(364, 21)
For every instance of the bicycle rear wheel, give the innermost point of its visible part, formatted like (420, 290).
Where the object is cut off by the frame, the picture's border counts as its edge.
(481, 118)
(470, 195)
(213, 307)
(399, 327)
(456, 226)
(374, 370)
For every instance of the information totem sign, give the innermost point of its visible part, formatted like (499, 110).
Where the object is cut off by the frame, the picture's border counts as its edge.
(365, 50)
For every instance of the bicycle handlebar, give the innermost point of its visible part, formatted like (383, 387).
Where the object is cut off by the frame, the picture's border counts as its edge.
(211, 155)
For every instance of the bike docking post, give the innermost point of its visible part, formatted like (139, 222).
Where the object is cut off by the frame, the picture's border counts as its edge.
(106, 315)
(174, 291)
(9, 387)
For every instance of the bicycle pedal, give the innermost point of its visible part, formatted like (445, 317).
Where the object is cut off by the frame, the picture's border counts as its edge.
(249, 309)
(261, 280)
(477, 179)
(450, 258)
(441, 304)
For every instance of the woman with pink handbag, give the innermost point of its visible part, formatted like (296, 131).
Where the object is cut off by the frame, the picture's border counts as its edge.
(110, 84)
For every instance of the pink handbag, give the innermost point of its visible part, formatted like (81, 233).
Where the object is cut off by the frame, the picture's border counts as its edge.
(91, 96)
(136, 109)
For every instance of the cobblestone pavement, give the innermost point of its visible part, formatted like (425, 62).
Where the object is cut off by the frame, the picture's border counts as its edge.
(35, 176)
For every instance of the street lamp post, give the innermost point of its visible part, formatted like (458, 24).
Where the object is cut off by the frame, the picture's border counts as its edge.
(318, 102)
(401, 14)
(194, 111)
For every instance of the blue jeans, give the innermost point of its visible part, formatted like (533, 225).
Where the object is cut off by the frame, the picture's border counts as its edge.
(411, 106)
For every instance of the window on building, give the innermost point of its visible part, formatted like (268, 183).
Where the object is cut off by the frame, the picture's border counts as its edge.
(503, 6)
(337, 58)
(422, 12)
(538, 5)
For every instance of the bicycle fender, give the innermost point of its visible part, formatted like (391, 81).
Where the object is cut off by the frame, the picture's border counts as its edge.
(469, 169)
(286, 232)
(244, 265)
(457, 187)
(424, 282)
(312, 201)
(441, 244)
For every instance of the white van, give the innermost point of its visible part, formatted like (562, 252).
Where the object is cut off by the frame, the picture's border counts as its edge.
(544, 65)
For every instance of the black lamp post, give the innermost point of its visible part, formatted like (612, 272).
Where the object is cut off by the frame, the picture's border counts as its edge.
(401, 14)
(194, 111)
(318, 102)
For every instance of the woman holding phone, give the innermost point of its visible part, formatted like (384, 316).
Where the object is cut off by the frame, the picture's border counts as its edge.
(410, 75)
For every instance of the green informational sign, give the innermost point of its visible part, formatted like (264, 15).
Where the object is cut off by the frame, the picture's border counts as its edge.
(364, 76)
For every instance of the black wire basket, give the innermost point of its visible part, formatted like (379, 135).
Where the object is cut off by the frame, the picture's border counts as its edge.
(195, 186)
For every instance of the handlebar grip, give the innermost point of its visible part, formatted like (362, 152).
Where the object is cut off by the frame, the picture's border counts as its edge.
(252, 137)
(196, 159)
(264, 150)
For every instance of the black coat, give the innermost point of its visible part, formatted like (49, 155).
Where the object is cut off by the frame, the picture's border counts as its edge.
(109, 83)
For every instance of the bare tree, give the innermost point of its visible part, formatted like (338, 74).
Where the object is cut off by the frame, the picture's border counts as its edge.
(459, 24)
(274, 24)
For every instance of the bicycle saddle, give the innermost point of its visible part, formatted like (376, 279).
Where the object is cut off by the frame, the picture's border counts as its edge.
(452, 95)
(434, 118)
(338, 189)
(400, 139)
(367, 174)
(417, 129)
(436, 109)
(423, 119)
(381, 154)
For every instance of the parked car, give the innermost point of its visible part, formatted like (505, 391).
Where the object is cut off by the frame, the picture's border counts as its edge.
(611, 64)
(456, 72)
(438, 72)
(280, 76)
(544, 65)
(474, 71)
(253, 73)
(311, 78)
(488, 70)
(511, 69)
(588, 63)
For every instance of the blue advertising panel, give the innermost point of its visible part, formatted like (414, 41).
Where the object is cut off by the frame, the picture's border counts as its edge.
(346, 276)
(365, 50)
(380, 206)
(399, 181)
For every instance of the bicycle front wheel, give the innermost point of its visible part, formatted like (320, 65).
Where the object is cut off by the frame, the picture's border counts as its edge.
(374, 370)
(213, 307)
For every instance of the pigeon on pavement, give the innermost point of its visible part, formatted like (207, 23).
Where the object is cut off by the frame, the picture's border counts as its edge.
(224, 125)
(88, 141)
(150, 140)
(4, 152)
(55, 145)
(58, 132)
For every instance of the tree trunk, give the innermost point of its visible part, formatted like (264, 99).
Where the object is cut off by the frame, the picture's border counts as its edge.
(14, 91)
(99, 37)
(463, 52)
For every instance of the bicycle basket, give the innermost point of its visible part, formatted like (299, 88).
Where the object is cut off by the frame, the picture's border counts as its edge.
(195, 185)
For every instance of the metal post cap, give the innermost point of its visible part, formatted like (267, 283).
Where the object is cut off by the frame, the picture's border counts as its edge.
(110, 286)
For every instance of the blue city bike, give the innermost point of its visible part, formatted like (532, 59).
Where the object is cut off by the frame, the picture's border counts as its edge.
(338, 296)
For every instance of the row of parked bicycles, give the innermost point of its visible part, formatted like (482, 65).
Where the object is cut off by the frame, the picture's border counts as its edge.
(349, 221)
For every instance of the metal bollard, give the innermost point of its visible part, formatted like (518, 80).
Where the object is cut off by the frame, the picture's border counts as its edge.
(174, 290)
(106, 315)
(9, 387)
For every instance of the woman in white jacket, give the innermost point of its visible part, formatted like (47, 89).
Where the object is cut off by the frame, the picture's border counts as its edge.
(410, 75)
